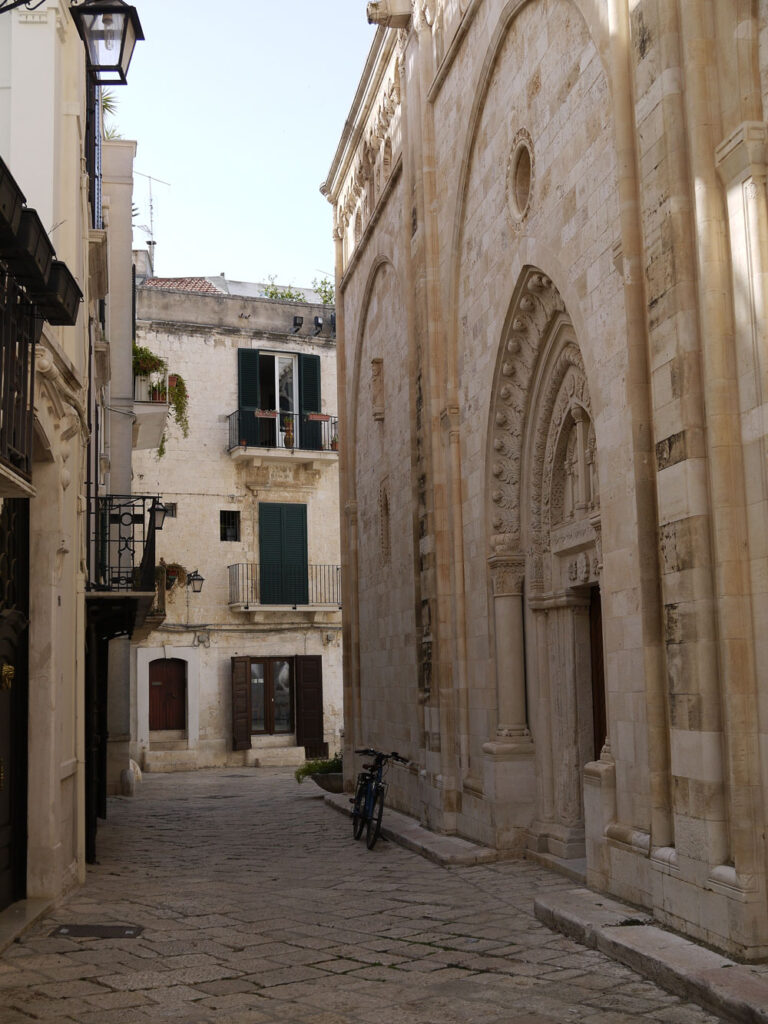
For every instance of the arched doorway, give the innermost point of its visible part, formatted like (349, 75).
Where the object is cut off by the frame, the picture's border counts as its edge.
(546, 560)
(167, 695)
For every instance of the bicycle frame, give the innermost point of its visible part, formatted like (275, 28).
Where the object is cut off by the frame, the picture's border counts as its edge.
(370, 794)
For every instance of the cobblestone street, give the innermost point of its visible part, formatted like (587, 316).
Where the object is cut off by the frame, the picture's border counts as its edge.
(257, 906)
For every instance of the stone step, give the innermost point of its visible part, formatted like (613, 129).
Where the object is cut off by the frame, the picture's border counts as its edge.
(170, 760)
(276, 757)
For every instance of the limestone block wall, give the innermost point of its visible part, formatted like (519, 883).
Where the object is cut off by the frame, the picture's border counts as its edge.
(199, 336)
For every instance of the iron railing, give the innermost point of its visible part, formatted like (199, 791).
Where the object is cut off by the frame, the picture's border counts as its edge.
(252, 585)
(258, 428)
(152, 388)
(121, 530)
(19, 332)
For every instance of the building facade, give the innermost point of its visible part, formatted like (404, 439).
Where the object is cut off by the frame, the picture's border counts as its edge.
(248, 669)
(550, 221)
(61, 231)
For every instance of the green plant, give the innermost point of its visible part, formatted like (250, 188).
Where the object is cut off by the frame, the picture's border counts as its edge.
(280, 291)
(325, 289)
(146, 362)
(318, 766)
(178, 399)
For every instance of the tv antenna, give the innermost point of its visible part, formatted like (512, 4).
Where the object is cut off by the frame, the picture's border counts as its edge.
(150, 229)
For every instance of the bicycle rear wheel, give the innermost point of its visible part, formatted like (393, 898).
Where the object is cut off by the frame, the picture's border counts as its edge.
(374, 822)
(358, 808)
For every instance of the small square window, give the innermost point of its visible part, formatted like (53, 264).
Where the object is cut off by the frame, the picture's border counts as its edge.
(170, 509)
(229, 525)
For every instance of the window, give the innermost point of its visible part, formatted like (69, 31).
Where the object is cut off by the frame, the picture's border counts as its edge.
(170, 510)
(229, 525)
(286, 385)
(278, 696)
(283, 569)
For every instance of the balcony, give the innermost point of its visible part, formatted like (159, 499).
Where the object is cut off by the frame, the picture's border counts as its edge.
(304, 590)
(259, 435)
(121, 560)
(150, 410)
(19, 331)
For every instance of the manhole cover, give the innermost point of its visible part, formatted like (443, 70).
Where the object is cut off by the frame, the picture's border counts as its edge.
(98, 931)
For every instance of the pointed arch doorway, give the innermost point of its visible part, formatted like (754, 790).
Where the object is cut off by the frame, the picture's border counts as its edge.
(545, 563)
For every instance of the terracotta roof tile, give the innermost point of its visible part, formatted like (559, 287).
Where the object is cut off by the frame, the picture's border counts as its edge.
(183, 284)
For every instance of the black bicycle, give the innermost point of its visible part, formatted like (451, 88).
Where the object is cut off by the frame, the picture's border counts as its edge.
(370, 791)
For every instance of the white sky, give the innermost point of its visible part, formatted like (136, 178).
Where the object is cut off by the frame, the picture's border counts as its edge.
(240, 104)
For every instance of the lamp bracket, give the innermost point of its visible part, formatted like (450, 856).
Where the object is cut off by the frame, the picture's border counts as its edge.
(9, 5)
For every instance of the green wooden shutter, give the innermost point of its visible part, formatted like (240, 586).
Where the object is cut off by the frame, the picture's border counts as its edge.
(295, 554)
(270, 553)
(283, 553)
(241, 704)
(248, 394)
(310, 401)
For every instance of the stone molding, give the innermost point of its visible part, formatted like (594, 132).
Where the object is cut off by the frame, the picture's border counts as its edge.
(743, 154)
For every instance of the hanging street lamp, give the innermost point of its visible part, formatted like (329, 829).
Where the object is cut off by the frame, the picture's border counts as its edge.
(110, 30)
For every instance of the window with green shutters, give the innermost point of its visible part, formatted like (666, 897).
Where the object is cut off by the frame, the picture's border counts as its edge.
(268, 383)
(283, 569)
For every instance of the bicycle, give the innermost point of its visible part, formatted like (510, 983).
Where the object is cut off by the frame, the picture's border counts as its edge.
(370, 791)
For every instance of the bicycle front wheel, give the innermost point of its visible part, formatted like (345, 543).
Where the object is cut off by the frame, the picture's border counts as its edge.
(374, 822)
(358, 810)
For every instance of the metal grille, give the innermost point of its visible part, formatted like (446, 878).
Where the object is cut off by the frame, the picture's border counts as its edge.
(19, 331)
(122, 543)
(229, 525)
(250, 428)
(323, 584)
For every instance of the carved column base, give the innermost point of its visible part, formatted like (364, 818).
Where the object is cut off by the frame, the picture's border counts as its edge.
(563, 841)
(509, 785)
(599, 814)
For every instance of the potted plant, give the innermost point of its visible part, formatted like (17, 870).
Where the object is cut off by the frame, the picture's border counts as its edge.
(335, 443)
(326, 772)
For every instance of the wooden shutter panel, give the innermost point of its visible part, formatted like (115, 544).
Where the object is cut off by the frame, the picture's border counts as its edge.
(295, 581)
(270, 553)
(248, 395)
(310, 400)
(309, 705)
(241, 704)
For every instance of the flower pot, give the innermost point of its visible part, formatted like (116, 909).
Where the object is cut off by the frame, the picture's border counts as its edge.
(11, 205)
(331, 782)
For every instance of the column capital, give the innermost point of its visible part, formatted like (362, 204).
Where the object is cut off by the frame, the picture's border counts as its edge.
(507, 574)
(743, 154)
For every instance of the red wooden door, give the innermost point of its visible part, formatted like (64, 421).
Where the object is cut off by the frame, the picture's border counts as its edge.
(167, 694)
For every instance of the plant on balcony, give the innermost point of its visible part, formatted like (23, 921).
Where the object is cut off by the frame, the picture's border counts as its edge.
(175, 573)
(146, 362)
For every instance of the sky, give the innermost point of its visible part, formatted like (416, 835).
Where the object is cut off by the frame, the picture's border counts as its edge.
(239, 106)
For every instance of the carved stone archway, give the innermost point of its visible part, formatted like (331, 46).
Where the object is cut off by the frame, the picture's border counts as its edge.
(544, 561)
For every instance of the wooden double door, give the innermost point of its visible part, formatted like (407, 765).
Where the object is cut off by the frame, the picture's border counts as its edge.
(167, 694)
(278, 696)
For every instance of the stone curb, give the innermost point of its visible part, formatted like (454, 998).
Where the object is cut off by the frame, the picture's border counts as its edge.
(19, 918)
(679, 965)
(448, 851)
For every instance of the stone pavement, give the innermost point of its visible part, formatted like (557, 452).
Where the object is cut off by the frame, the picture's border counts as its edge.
(257, 906)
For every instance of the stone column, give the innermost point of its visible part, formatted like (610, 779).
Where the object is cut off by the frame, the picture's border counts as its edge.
(508, 575)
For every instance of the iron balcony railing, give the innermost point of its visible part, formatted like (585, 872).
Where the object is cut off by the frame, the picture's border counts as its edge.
(121, 550)
(152, 388)
(19, 332)
(254, 585)
(265, 428)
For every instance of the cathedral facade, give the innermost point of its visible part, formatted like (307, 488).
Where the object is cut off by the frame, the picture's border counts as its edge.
(551, 232)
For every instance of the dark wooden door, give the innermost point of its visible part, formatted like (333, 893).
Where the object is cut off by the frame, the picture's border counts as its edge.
(599, 717)
(309, 705)
(167, 694)
(14, 692)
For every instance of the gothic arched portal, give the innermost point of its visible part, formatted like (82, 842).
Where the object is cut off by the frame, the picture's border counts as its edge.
(545, 560)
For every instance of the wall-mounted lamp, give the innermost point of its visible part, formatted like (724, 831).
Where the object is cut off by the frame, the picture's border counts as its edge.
(196, 581)
(297, 322)
(318, 326)
(159, 512)
(110, 30)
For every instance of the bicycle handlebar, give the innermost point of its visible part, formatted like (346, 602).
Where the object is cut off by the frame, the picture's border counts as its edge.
(394, 756)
